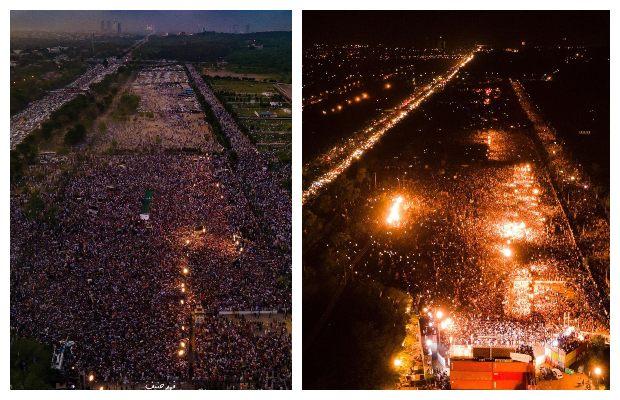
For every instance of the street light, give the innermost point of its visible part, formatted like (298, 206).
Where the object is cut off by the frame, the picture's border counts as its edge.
(398, 362)
(446, 323)
(507, 252)
(597, 374)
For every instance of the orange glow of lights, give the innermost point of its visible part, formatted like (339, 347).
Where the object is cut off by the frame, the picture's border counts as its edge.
(514, 230)
(393, 217)
(507, 252)
(447, 323)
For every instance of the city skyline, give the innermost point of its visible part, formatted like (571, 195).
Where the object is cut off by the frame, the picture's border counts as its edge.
(135, 21)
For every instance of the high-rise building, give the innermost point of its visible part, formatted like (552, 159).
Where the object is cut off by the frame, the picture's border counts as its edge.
(102, 26)
(108, 26)
(118, 27)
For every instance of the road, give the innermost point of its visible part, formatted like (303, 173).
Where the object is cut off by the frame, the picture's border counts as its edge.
(333, 163)
(37, 112)
(482, 235)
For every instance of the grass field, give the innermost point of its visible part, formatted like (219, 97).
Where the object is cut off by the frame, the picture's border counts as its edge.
(241, 86)
(263, 112)
(216, 72)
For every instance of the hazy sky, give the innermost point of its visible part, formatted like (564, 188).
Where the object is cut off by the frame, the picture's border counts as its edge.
(458, 27)
(163, 21)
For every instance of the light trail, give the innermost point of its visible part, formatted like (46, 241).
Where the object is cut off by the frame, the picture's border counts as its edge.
(378, 128)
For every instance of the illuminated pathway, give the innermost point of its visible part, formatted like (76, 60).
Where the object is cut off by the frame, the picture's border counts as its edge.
(593, 235)
(355, 148)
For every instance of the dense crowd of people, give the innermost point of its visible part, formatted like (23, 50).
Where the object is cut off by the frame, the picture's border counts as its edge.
(584, 209)
(242, 352)
(484, 238)
(123, 281)
(270, 200)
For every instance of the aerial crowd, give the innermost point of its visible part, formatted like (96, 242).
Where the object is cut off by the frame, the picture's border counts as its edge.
(123, 281)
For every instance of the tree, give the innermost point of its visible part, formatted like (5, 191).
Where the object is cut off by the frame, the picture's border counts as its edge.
(17, 166)
(75, 135)
(35, 206)
(30, 365)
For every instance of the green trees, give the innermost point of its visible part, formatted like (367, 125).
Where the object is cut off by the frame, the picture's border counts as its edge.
(30, 365)
(24, 154)
(210, 117)
(366, 328)
(210, 47)
(367, 324)
(72, 121)
(75, 135)
(37, 209)
(127, 105)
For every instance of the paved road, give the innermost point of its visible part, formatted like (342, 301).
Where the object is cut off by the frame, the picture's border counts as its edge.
(37, 112)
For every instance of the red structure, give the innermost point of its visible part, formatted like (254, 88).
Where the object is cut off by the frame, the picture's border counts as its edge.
(490, 374)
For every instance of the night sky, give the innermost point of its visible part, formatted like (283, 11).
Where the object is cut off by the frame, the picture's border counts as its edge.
(163, 21)
(459, 28)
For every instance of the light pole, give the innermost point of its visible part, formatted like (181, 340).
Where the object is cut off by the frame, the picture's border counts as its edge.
(438, 315)
(597, 373)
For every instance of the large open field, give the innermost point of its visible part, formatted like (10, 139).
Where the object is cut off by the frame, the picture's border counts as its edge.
(168, 116)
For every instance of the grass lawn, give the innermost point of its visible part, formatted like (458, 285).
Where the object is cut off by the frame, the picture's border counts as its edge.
(241, 86)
